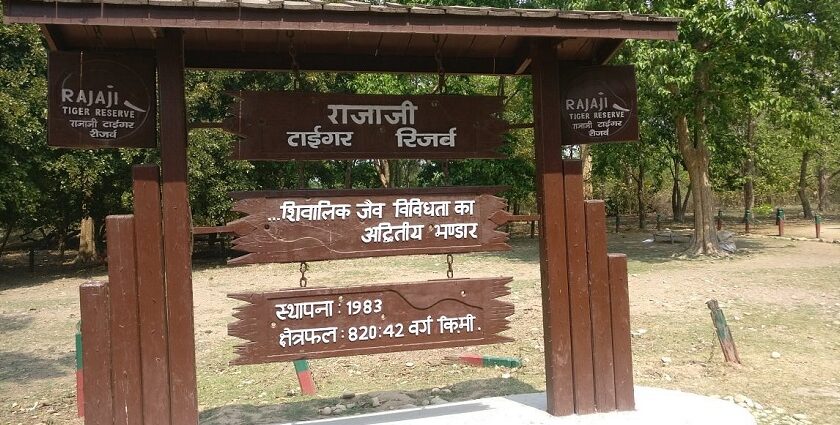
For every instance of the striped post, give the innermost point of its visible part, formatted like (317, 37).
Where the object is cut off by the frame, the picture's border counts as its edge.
(80, 391)
(780, 221)
(307, 384)
(485, 361)
(817, 222)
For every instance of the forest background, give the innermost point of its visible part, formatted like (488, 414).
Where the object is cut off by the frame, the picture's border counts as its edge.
(742, 112)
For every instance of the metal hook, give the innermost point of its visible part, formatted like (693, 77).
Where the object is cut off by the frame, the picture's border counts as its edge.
(303, 269)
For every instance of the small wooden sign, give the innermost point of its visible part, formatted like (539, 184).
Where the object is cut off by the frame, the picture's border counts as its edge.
(313, 323)
(314, 126)
(599, 104)
(310, 225)
(101, 100)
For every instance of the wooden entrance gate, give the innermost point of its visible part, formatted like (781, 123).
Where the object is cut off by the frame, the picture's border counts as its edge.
(138, 327)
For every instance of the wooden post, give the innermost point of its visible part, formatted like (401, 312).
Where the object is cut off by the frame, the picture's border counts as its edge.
(125, 320)
(727, 344)
(304, 375)
(747, 220)
(80, 379)
(177, 245)
(599, 289)
(817, 222)
(780, 221)
(577, 269)
(151, 293)
(620, 312)
(550, 202)
(96, 355)
(720, 220)
(533, 228)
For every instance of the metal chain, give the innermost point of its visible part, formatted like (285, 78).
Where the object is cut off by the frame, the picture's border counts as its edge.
(441, 85)
(295, 65)
(449, 272)
(303, 269)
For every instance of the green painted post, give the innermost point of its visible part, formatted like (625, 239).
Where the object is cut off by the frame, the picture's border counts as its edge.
(747, 220)
(80, 393)
(817, 222)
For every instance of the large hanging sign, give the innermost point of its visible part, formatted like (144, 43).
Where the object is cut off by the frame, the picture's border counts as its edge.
(599, 104)
(309, 225)
(330, 322)
(312, 126)
(101, 100)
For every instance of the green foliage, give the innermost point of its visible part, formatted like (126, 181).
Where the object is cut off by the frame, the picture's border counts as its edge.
(770, 93)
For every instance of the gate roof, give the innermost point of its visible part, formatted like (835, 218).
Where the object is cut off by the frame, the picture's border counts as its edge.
(339, 36)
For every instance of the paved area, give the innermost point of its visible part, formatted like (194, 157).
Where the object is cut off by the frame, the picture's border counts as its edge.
(654, 406)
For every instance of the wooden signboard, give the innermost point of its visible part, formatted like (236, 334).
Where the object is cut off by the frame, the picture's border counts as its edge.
(599, 104)
(310, 225)
(299, 324)
(101, 100)
(316, 126)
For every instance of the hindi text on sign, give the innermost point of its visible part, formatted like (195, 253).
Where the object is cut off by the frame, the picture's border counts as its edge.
(329, 322)
(290, 226)
(346, 126)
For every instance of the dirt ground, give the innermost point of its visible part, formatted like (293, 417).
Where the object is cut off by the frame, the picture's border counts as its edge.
(779, 295)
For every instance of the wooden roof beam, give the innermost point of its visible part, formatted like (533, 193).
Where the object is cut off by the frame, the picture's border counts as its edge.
(347, 63)
(185, 16)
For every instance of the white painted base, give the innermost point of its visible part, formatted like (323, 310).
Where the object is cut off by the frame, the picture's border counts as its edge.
(654, 406)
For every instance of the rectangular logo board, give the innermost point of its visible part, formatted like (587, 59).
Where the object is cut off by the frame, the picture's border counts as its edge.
(317, 323)
(101, 100)
(599, 104)
(318, 126)
(311, 225)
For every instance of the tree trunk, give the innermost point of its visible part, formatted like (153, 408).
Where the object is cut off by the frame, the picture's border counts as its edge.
(749, 166)
(803, 185)
(685, 202)
(383, 169)
(6, 235)
(677, 209)
(696, 155)
(586, 159)
(447, 179)
(87, 243)
(348, 174)
(822, 188)
(62, 240)
(301, 175)
(640, 198)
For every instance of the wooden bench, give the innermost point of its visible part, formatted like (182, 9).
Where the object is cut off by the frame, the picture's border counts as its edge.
(668, 235)
(533, 218)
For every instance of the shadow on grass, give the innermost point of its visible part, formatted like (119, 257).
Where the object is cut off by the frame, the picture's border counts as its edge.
(14, 323)
(308, 409)
(19, 367)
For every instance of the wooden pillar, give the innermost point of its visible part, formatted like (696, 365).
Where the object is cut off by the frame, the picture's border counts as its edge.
(620, 315)
(579, 311)
(551, 206)
(96, 355)
(177, 226)
(151, 293)
(599, 293)
(125, 321)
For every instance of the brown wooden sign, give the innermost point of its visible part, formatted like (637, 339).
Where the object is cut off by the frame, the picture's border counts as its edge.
(329, 322)
(310, 225)
(101, 100)
(313, 126)
(599, 104)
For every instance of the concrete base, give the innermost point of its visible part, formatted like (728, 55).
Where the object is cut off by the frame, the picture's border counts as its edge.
(654, 406)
